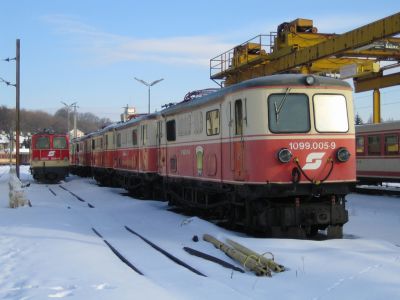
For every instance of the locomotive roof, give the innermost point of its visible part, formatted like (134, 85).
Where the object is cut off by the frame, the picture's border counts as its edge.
(281, 80)
(118, 125)
(48, 133)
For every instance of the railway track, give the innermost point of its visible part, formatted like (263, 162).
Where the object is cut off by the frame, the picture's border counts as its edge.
(117, 250)
(148, 253)
(130, 256)
(118, 254)
(76, 196)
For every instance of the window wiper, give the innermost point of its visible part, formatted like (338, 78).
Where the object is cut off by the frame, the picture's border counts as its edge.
(278, 107)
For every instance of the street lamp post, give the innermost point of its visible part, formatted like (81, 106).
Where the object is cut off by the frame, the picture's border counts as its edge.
(149, 85)
(68, 107)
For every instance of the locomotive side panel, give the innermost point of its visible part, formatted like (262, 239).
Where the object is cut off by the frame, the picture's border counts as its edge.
(194, 144)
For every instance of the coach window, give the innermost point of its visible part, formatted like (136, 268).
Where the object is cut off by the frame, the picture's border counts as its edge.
(197, 122)
(134, 137)
(93, 144)
(171, 130)
(360, 145)
(391, 144)
(42, 142)
(288, 113)
(330, 113)
(119, 140)
(212, 121)
(106, 142)
(124, 138)
(238, 117)
(374, 144)
(77, 147)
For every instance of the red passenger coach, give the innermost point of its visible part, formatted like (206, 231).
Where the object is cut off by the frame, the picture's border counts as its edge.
(49, 157)
(378, 155)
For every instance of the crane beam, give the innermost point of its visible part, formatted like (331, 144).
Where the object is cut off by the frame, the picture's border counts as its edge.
(353, 39)
(374, 83)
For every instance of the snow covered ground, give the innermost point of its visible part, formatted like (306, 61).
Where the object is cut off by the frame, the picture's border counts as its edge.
(49, 250)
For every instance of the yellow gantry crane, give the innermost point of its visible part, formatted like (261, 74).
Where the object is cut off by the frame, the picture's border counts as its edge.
(297, 47)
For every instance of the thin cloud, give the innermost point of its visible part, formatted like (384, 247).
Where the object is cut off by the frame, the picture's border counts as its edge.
(112, 48)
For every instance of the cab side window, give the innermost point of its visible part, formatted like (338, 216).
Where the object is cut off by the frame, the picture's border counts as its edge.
(212, 122)
(171, 130)
(238, 117)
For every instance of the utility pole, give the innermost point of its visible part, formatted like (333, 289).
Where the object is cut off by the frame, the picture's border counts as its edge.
(75, 129)
(17, 108)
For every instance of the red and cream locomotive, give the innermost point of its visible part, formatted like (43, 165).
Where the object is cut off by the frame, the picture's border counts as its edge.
(273, 154)
(49, 157)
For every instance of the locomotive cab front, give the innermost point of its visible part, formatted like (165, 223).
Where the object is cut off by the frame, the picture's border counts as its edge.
(49, 157)
(298, 155)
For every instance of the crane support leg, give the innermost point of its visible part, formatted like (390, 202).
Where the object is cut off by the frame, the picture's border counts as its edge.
(377, 106)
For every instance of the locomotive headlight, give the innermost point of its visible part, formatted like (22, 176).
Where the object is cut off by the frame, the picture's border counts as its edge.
(284, 155)
(343, 154)
(310, 80)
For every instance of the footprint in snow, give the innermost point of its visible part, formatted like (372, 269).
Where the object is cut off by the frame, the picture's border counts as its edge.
(61, 292)
(103, 286)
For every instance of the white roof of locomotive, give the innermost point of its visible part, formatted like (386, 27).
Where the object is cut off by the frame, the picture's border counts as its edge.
(264, 81)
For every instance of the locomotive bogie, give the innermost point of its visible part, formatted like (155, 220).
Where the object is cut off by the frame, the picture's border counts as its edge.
(48, 171)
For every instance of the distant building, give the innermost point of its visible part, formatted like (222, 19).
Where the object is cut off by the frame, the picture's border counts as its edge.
(79, 133)
(5, 145)
(128, 113)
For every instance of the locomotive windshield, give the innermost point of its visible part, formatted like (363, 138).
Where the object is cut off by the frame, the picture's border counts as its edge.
(288, 113)
(42, 142)
(330, 113)
(60, 142)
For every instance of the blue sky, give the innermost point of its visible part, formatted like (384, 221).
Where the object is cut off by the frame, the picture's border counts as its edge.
(90, 51)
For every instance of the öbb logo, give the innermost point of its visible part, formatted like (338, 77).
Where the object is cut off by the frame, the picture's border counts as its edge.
(313, 160)
(51, 153)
